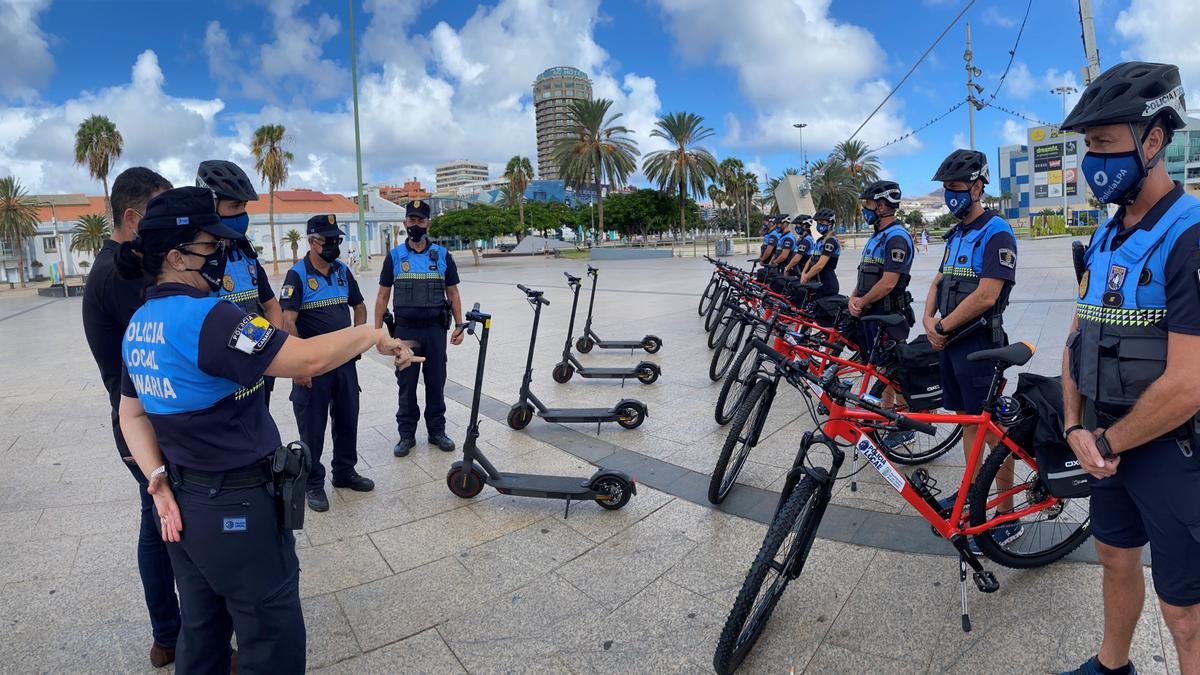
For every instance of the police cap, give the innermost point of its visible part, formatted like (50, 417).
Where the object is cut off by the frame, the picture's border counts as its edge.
(418, 208)
(324, 225)
(184, 208)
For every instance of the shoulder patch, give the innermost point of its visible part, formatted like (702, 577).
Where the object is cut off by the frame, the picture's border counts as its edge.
(251, 335)
(899, 255)
(830, 247)
(287, 291)
(1008, 258)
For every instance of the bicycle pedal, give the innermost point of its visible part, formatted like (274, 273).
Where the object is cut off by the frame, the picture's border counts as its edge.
(986, 581)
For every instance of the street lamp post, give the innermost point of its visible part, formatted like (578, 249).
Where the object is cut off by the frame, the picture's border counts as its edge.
(803, 159)
(58, 241)
(363, 264)
(1064, 91)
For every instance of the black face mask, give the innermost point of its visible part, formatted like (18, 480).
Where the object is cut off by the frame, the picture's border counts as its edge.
(212, 270)
(330, 251)
(416, 233)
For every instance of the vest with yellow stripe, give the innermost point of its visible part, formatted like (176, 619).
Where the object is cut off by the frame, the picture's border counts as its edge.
(418, 279)
(240, 285)
(318, 291)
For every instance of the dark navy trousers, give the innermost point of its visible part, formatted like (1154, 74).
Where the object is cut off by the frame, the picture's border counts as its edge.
(237, 572)
(432, 345)
(333, 395)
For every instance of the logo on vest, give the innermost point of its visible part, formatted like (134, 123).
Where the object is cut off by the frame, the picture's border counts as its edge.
(962, 259)
(312, 284)
(1083, 283)
(227, 283)
(1116, 277)
(1145, 277)
(404, 266)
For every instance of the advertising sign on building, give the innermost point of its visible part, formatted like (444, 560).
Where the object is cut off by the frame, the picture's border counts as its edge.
(1055, 167)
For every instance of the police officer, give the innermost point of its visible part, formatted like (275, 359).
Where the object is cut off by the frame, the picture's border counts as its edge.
(823, 262)
(884, 272)
(770, 238)
(318, 296)
(1132, 365)
(245, 283)
(108, 302)
(786, 245)
(421, 279)
(193, 415)
(802, 228)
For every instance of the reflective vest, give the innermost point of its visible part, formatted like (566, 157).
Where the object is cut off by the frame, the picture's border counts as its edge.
(963, 263)
(870, 270)
(318, 291)
(419, 279)
(1120, 346)
(240, 285)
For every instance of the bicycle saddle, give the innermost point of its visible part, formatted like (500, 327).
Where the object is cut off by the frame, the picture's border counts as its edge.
(886, 319)
(833, 303)
(1017, 354)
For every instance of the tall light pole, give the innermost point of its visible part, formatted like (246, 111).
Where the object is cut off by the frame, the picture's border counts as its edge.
(803, 159)
(362, 221)
(1064, 91)
(58, 241)
(972, 72)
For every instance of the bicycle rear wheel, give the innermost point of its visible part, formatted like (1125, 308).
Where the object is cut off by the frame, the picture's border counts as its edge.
(924, 448)
(737, 384)
(1044, 536)
(742, 438)
(780, 559)
(710, 291)
(726, 350)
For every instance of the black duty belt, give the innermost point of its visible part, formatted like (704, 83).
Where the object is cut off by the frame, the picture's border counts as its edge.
(248, 476)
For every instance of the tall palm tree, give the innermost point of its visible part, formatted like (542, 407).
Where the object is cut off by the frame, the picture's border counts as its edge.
(97, 145)
(684, 168)
(862, 164)
(271, 161)
(835, 187)
(729, 173)
(519, 171)
(18, 219)
(293, 237)
(508, 199)
(89, 233)
(717, 196)
(596, 147)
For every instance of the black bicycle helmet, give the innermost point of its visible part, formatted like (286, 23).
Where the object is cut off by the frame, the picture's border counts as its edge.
(825, 214)
(963, 165)
(1136, 92)
(882, 190)
(226, 179)
(801, 219)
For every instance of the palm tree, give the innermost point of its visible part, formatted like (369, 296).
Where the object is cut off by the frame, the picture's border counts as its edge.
(835, 187)
(716, 196)
(18, 219)
(293, 237)
(729, 173)
(862, 164)
(519, 171)
(98, 144)
(684, 168)
(271, 161)
(89, 233)
(510, 199)
(596, 147)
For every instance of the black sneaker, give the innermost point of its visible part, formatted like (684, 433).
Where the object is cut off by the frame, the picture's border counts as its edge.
(405, 444)
(442, 441)
(1092, 667)
(317, 501)
(355, 482)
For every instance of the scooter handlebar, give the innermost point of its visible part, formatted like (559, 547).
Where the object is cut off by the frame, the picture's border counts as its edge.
(533, 295)
(475, 316)
(571, 279)
(593, 271)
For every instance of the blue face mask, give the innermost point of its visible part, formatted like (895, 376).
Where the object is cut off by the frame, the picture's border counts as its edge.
(870, 216)
(822, 229)
(239, 223)
(958, 201)
(1113, 176)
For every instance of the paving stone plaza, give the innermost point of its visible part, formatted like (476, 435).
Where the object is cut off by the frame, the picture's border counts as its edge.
(410, 579)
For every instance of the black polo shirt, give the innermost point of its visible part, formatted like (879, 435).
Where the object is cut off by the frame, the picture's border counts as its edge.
(108, 302)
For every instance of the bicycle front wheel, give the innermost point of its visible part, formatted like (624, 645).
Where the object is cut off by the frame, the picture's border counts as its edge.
(737, 384)
(726, 349)
(710, 291)
(712, 314)
(1038, 538)
(781, 559)
(742, 438)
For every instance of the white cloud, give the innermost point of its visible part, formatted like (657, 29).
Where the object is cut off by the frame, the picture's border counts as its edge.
(831, 87)
(1163, 31)
(959, 141)
(24, 49)
(994, 17)
(1014, 132)
(1019, 83)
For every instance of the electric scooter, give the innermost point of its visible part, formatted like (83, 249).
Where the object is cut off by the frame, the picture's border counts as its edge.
(646, 372)
(589, 339)
(610, 489)
(628, 412)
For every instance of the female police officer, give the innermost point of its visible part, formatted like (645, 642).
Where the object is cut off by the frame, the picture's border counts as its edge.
(193, 415)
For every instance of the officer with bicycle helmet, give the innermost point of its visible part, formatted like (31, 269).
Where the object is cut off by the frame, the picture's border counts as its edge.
(788, 239)
(823, 262)
(192, 413)
(801, 226)
(245, 283)
(1132, 363)
(884, 272)
(770, 238)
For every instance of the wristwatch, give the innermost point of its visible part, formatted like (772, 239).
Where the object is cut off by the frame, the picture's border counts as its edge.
(1103, 446)
(938, 328)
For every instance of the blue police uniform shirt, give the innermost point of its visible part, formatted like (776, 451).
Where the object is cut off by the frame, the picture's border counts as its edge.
(832, 248)
(322, 302)
(788, 241)
(196, 363)
(890, 247)
(772, 238)
(245, 283)
(992, 254)
(804, 247)
(387, 278)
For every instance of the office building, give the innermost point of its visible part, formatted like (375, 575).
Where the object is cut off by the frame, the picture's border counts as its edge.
(1012, 181)
(412, 189)
(459, 172)
(554, 91)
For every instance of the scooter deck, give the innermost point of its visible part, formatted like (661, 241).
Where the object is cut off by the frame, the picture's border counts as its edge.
(619, 344)
(608, 373)
(535, 485)
(579, 415)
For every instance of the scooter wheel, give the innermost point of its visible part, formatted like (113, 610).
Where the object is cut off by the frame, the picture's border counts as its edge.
(584, 345)
(463, 484)
(631, 415)
(647, 373)
(612, 492)
(563, 372)
(519, 416)
(651, 344)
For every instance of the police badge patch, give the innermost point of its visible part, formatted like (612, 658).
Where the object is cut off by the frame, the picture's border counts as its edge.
(1116, 277)
(404, 266)
(287, 292)
(312, 284)
(1083, 283)
(898, 255)
(251, 335)
(227, 283)
(1008, 258)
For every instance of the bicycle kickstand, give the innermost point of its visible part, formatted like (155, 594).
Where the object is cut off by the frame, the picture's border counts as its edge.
(962, 586)
(854, 470)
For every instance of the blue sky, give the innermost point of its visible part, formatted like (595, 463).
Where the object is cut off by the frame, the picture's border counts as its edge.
(187, 81)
